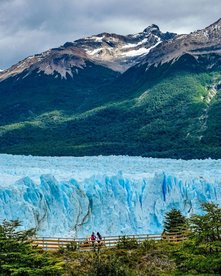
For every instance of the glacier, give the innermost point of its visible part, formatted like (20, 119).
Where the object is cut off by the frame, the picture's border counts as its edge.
(115, 195)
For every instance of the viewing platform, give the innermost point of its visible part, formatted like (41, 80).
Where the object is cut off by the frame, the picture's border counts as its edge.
(85, 244)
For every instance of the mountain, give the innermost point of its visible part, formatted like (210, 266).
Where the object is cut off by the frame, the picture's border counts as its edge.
(86, 65)
(75, 196)
(121, 52)
(179, 85)
(151, 94)
(197, 44)
(113, 51)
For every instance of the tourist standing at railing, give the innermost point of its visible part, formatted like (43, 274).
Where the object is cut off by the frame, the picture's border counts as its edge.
(99, 237)
(93, 238)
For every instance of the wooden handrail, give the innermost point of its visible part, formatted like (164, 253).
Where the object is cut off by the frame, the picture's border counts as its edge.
(52, 243)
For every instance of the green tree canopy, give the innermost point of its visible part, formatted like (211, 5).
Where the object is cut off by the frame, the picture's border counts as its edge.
(174, 221)
(18, 257)
(207, 227)
(201, 253)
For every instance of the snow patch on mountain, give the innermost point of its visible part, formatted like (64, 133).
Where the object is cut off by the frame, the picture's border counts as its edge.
(140, 51)
(137, 52)
(94, 52)
(130, 45)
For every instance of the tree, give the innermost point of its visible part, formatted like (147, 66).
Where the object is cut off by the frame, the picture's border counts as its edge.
(18, 257)
(174, 222)
(202, 251)
(207, 227)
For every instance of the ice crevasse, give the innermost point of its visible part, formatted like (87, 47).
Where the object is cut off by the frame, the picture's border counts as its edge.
(72, 196)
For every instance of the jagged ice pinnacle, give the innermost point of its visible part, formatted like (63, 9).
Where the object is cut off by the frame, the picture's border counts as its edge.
(72, 196)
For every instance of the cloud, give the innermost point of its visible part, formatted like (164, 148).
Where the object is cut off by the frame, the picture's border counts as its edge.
(29, 26)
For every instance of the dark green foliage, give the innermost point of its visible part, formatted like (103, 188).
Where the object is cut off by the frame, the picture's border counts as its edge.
(153, 260)
(70, 247)
(201, 253)
(37, 94)
(167, 111)
(127, 243)
(207, 228)
(156, 258)
(19, 258)
(107, 266)
(175, 222)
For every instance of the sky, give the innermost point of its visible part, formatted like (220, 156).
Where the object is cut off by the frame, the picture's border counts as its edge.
(29, 27)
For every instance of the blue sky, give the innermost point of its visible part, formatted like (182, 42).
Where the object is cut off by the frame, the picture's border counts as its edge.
(31, 26)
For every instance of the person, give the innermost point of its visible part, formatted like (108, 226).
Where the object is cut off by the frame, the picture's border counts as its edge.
(93, 238)
(99, 237)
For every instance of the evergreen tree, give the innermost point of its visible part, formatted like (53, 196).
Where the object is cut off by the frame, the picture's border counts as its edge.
(207, 227)
(174, 222)
(18, 257)
(201, 253)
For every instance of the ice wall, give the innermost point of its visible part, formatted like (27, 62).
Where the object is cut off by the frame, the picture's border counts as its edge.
(113, 195)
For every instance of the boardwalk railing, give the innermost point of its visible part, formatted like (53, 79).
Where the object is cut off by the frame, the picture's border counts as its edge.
(84, 244)
(174, 236)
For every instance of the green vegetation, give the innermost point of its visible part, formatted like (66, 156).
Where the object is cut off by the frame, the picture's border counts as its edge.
(149, 258)
(175, 222)
(127, 243)
(200, 254)
(19, 258)
(169, 111)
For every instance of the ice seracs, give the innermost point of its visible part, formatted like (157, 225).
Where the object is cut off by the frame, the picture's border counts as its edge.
(73, 196)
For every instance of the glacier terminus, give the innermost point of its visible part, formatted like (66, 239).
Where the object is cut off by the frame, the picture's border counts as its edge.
(115, 195)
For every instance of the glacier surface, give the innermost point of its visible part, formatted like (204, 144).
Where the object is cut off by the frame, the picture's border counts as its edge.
(73, 196)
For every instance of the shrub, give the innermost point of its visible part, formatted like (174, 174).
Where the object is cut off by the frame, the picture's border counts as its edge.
(127, 243)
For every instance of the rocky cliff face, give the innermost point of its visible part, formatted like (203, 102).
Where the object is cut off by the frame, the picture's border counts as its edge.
(198, 43)
(121, 52)
(116, 52)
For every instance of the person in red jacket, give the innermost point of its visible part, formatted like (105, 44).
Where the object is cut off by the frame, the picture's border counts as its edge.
(93, 239)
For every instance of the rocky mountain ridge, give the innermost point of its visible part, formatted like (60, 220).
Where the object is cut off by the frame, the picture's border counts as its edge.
(113, 51)
(121, 52)
(198, 43)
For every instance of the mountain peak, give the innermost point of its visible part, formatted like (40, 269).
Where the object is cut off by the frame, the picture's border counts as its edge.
(151, 28)
(213, 31)
(218, 22)
(216, 26)
(114, 51)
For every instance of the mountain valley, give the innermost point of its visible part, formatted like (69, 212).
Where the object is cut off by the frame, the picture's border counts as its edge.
(150, 94)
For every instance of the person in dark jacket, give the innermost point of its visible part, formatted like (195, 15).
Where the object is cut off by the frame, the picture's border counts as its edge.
(99, 237)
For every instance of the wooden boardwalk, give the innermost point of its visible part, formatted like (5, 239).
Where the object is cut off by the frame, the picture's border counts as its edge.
(84, 244)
